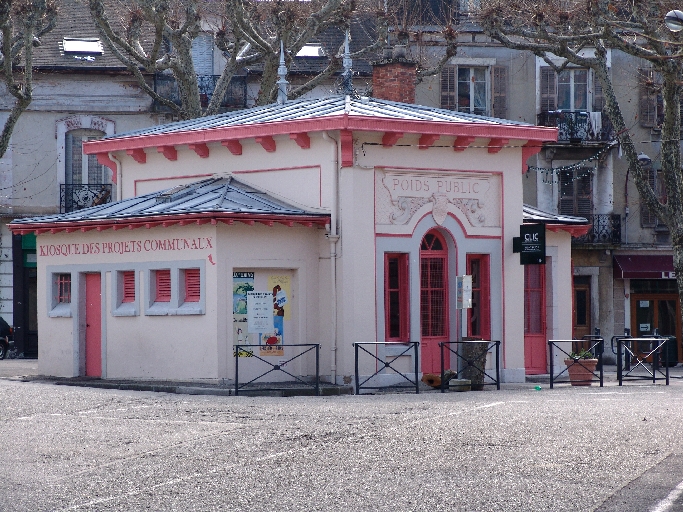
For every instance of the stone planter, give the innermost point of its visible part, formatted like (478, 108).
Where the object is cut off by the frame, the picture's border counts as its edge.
(581, 371)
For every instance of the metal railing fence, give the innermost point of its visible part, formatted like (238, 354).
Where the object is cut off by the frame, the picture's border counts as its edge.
(382, 365)
(473, 363)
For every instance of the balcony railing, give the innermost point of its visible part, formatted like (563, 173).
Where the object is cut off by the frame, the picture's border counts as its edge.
(605, 230)
(235, 96)
(578, 126)
(74, 197)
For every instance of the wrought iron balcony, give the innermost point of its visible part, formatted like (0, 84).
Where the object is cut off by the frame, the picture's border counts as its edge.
(605, 230)
(578, 127)
(235, 96)
(74, 197)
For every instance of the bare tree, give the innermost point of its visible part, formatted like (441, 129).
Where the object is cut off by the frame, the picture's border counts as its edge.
(582, 33)
(22, 23)
(155, 36)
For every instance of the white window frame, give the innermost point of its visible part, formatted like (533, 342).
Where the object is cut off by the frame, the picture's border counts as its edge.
(487, 65)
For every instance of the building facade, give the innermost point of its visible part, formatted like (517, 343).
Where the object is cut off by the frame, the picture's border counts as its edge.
(369, 210)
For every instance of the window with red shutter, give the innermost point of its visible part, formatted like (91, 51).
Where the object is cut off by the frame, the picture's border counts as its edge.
(396, 305)
(479, 315)
(163, 285)
(192, 285)
(128, 281)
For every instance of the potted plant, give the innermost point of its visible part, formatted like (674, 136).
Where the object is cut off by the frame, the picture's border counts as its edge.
(580, 367)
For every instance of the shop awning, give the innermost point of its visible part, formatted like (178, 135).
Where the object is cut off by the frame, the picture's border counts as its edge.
(643, 266)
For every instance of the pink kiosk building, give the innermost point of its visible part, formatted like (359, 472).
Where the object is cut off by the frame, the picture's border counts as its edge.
(331, 221)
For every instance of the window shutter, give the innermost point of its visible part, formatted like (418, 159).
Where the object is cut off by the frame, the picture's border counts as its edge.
(202, 54)
(448, 98)
(128, 278)
(647, 218)
(584, 191)
(192, 285)
(499, 87)
(598, 96)
(648, 98)
(163, 285)
(566, 206)
(576, 192)
(548, 89)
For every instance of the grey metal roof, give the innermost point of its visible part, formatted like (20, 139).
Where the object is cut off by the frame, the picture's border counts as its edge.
(222, 194)
(319, 108)
(532, 214)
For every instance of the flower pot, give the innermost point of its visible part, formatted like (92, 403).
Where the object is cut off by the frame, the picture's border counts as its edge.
(581, 371)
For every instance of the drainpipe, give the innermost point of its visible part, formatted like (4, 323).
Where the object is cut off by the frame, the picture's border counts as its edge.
(333, 237)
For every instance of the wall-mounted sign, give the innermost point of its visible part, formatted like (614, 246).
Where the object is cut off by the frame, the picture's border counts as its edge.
(259, 311)
(530, 244)
(464, 295)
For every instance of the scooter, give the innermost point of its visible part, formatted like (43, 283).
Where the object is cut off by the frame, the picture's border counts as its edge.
(7, 348)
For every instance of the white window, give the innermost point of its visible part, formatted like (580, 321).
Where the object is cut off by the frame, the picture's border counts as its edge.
(480, 90)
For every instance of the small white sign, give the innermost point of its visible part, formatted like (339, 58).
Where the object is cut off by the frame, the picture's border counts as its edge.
(644, 327)
(644, 303)
(259, 312)
(464, 296)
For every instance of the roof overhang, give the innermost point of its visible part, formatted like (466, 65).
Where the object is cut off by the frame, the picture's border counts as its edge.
(643, 266)
(533, 136)
(149, 222)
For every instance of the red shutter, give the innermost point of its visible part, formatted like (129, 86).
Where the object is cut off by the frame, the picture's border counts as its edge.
(479, 315)
(163, 285)
(396, 305)
(192, 285)
(128, 278)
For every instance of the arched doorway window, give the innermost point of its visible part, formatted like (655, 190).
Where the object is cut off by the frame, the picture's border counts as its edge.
(433, 299)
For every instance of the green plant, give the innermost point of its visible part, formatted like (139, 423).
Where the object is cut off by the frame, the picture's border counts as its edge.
(582, 354)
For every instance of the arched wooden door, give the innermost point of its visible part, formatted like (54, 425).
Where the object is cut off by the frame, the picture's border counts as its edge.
(433, 300)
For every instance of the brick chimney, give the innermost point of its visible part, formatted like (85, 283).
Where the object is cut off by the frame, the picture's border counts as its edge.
(393, 77)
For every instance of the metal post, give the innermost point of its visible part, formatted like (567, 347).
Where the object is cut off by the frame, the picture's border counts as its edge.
(655, 359)
(498, 365)
(237, 369)
(417, 381)
(317, 370)
(355, 345)
(552, 371)
(443, 371)
(666, 358)
(601, 347)
(619, 359)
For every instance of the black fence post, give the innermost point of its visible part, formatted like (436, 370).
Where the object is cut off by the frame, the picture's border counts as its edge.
(317, 370)
(237, 369)
(498, 365)
(417, 366)
(552, 364)
(357, 377)
(620, 358)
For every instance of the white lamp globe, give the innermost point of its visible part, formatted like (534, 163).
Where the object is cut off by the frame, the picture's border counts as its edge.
(674, 20)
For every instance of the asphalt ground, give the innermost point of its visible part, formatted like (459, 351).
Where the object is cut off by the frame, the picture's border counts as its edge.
(517, 449)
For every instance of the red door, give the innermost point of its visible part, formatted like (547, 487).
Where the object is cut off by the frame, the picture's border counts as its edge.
(93, 325)
(433, 300)
(535, 343)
